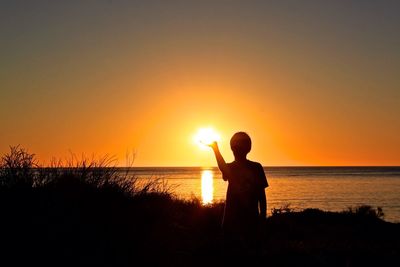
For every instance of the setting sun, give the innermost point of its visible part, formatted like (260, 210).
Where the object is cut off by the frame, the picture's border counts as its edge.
(205, 136)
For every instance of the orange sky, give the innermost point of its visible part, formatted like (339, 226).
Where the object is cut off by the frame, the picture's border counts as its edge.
(110, 78)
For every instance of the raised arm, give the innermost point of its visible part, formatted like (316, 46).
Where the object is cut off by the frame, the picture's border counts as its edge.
(220, 161)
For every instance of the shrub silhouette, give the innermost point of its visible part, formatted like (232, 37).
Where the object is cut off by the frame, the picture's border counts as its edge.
(366, 211)
(17, 168)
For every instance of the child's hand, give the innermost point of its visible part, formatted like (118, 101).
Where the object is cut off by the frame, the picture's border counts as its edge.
(213, 145)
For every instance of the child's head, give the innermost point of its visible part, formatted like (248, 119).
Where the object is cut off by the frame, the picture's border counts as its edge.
(240, 144)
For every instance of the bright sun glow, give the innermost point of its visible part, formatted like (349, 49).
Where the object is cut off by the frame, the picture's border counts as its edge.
(205, 136)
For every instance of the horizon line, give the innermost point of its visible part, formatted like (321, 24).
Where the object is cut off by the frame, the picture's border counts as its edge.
(264, 166)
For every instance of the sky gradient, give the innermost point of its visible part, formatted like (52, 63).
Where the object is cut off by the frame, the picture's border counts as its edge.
(312, 82)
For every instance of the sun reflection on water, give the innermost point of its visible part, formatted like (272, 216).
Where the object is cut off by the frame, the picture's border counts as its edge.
(207, 187)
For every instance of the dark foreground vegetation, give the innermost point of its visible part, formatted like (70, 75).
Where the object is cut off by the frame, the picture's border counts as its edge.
(87, 214)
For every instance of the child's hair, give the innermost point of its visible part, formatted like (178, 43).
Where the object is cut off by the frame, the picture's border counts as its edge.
(240, 144)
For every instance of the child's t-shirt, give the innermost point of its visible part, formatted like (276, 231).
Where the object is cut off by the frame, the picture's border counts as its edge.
(245, 182)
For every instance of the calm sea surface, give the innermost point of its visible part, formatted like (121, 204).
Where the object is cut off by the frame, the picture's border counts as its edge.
(327, 188)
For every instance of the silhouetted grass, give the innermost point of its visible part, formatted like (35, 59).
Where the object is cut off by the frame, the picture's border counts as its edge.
(84, 212)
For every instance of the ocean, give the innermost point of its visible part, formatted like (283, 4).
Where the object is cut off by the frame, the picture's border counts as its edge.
(326, 188)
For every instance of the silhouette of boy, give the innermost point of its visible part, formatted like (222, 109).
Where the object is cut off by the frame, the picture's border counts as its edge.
(245, 202)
